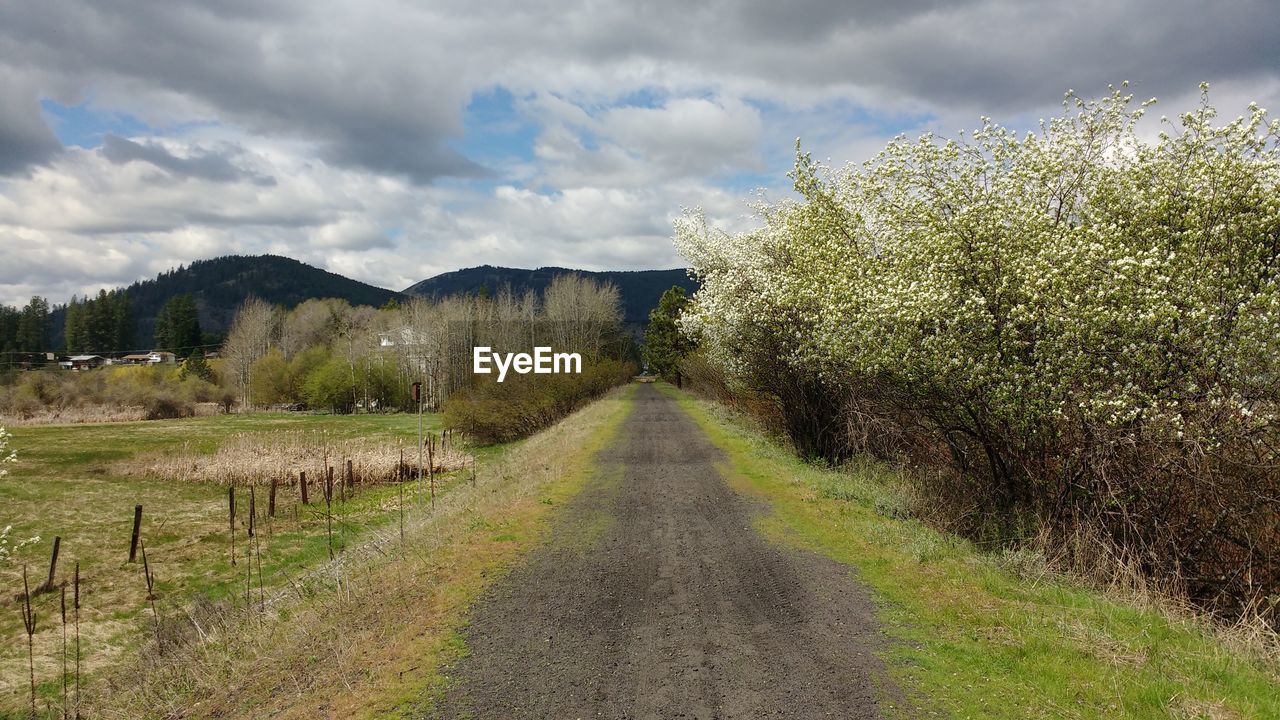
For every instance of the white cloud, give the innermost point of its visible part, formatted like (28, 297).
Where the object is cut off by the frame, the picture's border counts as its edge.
(322, 129)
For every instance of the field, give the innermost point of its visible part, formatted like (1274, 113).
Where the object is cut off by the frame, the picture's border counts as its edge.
(81, 482)
(668, 520)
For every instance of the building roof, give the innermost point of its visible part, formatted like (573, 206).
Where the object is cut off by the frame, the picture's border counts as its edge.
(85, 358)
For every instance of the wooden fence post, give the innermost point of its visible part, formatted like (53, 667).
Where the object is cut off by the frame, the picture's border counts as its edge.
(231, 522)
(53, 566)
(328, 508)
(137, 527)
(271, 500)
(302, 483)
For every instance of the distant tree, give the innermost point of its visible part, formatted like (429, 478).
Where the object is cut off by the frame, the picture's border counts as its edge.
(269, 378)
(196, 366)
(33, 326)
(255, 327)
(177, 325)
(8, 334)
(99, 323)
(665, 346)
(73, 326)
(122, 321)
(330, 386)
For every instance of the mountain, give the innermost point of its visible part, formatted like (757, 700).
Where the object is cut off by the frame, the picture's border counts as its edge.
(220, 285)
(640, 289)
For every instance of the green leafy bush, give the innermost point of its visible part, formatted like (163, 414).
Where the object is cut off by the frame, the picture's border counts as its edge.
(331, 385)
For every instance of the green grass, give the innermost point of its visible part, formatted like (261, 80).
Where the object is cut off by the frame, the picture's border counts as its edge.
(972, 640)
(66, 484)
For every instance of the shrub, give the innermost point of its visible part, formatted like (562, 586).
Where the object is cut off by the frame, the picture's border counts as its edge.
(495, 412)
(1078, 322)
(331, 385)
(164, 406)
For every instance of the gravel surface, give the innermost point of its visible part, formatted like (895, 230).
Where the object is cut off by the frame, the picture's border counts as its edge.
(655, 597)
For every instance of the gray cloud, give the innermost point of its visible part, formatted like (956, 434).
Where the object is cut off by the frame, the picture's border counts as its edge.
(25, 138)
(382, 85)
(203, 165)
(354, 110)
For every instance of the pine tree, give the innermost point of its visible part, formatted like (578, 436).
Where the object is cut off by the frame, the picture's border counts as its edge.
(73, 326)
(665, 346)
(33, 326)
(122, 320)
(177, 325)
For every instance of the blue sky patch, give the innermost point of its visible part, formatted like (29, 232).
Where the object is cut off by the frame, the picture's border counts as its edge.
(82, 126)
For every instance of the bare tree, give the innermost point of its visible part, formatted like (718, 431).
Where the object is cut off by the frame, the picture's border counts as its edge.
(252, 332)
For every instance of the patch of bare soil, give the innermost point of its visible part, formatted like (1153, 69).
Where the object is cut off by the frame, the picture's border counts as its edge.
(657, 598)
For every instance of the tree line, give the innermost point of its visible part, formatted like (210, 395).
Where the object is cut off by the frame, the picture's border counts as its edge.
(104, 325)
(328, 354)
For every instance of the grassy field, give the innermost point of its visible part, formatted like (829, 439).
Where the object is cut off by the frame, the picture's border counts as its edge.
(974, 634)
(71, 481)
(369, 639)
(991, 636)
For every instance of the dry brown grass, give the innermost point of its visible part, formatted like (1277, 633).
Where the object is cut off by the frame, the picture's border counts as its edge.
(93, 414)
(363, 635)
(257, 458)
(1091, 559)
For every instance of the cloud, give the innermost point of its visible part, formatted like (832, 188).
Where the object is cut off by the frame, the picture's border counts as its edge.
(338, 133)
(25, 138)
(204, 165)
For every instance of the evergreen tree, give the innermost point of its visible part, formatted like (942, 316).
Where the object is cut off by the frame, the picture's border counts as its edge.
(665, 346)
(177, 326)
(99, 324)
(196, 366)
(122, 320)
(73, 326)
(33, 326)
(8, 335)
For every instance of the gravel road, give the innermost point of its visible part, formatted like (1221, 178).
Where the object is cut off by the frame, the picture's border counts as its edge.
(655, 597)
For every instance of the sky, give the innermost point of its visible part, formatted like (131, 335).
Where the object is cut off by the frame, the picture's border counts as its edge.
(389, 140)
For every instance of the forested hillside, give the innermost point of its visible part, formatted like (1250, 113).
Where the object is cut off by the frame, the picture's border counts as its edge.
(221, 285)
(639, 289)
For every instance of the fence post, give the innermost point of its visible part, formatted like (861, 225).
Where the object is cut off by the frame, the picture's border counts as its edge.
(231, 520)
(53, 566)
(302, 483)
(137, 527)
(271, 500)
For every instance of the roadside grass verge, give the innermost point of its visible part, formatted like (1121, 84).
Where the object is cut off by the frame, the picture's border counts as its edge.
(983, 635)
(367, 635)
(69, 483)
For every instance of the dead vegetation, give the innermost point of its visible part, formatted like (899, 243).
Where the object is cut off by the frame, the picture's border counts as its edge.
(101, 414)
(258, 458)
(357, 635)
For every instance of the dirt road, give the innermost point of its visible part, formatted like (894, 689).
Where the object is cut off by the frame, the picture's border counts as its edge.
(657, 598)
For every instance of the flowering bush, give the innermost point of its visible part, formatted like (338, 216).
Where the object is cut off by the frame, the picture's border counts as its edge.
(6, 455)
(1084, 323)
(7, 551)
